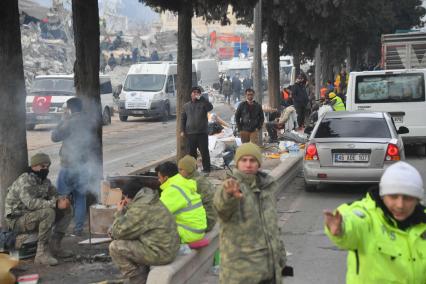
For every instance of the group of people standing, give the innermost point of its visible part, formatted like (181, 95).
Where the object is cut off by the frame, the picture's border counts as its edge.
(233, 87)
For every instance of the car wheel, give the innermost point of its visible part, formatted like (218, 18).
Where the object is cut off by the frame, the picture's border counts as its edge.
(310, 187)
(30, 126)
(123, 117)
(106, 116)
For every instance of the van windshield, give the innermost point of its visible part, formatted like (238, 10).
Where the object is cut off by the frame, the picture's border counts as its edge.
(243, 72)
(53, 86)
(144, 82)
(388, 88)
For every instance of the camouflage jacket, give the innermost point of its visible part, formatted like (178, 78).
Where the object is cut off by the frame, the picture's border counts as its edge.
(28, 193)
(250, 239)
(147, 220)
(206, 189)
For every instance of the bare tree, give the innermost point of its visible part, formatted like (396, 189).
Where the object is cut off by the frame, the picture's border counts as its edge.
(13, 140)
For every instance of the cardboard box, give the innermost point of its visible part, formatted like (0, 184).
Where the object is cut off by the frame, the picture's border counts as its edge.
(109, 196)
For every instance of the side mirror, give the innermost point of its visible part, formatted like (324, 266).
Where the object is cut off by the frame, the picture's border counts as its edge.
(308, 129)
(402, 130)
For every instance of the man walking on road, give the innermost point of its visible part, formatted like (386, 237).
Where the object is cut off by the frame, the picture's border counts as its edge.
(195, 126)
(384, 233)
(250, 242)
(236, 87)
(249, 118)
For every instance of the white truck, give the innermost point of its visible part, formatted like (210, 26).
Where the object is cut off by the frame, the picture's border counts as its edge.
(404, 50)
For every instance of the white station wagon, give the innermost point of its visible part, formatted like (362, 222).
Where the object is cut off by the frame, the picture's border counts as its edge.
(48, 94)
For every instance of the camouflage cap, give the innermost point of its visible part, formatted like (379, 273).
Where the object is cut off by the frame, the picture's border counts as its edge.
(188, 163)
(40, 158)
(248, 149)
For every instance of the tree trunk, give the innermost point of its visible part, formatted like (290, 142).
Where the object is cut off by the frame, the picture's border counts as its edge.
(296, 62)
(326, 65)
(184, 71)
(319, 81)
(13, 140)
(273, 63)
(86, 76)
(257, 58)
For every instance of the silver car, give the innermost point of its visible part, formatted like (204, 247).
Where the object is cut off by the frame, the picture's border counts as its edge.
(351, 147)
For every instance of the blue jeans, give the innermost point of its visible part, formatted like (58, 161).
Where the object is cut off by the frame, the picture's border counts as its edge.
(74, 182)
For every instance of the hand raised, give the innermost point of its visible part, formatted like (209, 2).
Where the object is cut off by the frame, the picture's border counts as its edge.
(232, 188)
(333, 221)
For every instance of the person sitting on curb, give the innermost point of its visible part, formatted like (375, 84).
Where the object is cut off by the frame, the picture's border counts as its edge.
(188, 169)
(33, 205)
(144, 234)
(180, 196)
(385, 232)
(251, 248)
(286, 121)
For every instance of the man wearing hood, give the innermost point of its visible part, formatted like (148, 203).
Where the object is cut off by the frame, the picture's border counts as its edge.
(385, 232)
(33, 205)
(251, 248)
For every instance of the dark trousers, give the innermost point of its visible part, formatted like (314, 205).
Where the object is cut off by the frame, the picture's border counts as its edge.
(300, 110)
(200, 141)
(272, 127)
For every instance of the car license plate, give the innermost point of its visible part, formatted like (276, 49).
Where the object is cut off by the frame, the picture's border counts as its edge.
(351, 157)
(398, 119)
(42, 117)
(138, 112)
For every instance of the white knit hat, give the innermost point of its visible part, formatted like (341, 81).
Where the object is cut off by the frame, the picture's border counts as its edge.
(402, 178)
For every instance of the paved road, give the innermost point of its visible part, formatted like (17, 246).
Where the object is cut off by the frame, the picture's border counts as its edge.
(127, 146)
(314, 258)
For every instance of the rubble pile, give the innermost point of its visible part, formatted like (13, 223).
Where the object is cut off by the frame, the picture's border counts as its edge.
(44, 56)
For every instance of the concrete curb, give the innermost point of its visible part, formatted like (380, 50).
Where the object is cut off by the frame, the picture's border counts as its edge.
(190, 268)
(153, 164)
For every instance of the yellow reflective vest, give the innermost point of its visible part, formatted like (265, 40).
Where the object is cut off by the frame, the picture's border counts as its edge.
(180, 196)
(380, 252)
(338, 104)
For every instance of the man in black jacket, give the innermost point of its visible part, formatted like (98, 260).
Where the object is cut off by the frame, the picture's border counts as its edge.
(195, 126)
(300, 99)
(249, 118)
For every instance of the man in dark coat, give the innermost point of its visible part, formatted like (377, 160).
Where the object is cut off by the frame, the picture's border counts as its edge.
(195, 126)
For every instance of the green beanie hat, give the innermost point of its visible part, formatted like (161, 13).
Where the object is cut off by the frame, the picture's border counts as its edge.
(39, 158)
(188, 163)
(248, 149)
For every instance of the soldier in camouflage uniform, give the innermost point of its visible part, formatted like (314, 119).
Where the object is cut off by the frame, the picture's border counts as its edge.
(32, 205)
(188, 169)
(144, 233)
(250, 240)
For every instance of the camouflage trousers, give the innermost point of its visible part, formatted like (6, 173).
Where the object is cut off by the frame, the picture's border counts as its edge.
(42, 221)
(128, 257)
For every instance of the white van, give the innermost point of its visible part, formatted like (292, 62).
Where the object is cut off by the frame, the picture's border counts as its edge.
(207, 72)
(149, 90)
(399, 92)
(48, 94)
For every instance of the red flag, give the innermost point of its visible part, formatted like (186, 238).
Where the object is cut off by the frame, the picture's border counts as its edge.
(41, 104)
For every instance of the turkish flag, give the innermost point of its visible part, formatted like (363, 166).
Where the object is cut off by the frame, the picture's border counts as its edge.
(41, 104)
